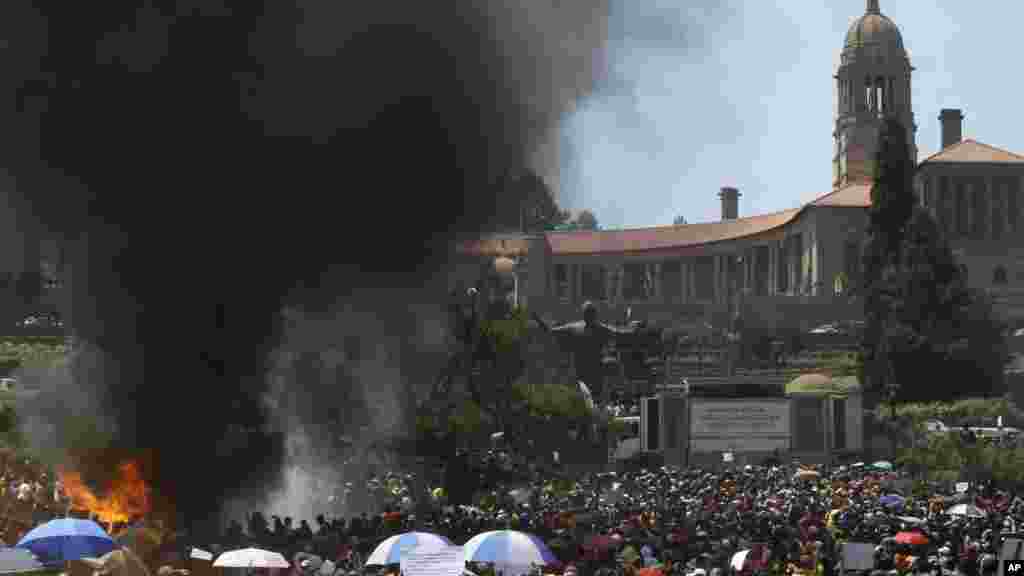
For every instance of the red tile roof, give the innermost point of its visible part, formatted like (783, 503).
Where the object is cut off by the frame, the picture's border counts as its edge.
(664, 237)
(973, 151)
(693, 235)
(851, 196)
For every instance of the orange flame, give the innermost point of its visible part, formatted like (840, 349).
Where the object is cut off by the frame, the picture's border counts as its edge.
(127, 499)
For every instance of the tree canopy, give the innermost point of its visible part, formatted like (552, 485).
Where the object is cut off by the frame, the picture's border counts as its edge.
(585, 220)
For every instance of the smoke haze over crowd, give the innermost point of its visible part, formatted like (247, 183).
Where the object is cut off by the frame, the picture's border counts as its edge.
(207, 165)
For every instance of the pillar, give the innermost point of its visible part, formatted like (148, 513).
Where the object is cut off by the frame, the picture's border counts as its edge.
(717, 279)
(579, 283)
(1006, 191)
(952, 221)
(791, 260)
(754, 280)
(984, 217)
(609, 286)
(684, 283)
(966, 190)
(692, 281)
(657, 289)
(620, 273)
(771, 269)
(993, 207)
(1016, 215)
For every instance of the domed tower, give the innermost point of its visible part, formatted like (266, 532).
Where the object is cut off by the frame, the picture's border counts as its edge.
(873, 82)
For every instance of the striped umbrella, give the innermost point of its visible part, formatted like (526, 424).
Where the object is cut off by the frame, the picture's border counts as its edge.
(390, 551)
(512, 552)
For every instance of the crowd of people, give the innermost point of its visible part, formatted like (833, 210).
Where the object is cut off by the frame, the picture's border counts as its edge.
(29, 495)
(792, 520)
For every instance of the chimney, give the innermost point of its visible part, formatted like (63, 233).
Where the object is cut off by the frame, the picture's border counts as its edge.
(952, 126)
(730, 202)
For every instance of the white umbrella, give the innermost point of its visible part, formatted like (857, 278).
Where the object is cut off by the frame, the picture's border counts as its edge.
(968, 510)
(739, 559)
(251, 558)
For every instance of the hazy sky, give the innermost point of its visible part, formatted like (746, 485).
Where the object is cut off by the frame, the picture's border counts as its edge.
(700, 94)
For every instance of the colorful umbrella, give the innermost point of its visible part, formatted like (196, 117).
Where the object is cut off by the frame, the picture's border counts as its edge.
(66, 539)
(512, 552)
(911, 538)
(882, 465)
(390, 551)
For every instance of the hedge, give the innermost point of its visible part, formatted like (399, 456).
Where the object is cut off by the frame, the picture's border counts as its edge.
(971, 410)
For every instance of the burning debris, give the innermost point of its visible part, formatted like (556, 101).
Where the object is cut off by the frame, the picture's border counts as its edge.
(125, 499)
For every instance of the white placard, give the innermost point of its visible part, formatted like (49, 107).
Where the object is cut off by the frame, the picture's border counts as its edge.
(739, 418)
(198, 554)
(447, 561)
(962, 486)
(726, 456)
(858, 556)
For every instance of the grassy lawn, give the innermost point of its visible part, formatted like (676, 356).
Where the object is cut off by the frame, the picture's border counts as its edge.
(25, 351)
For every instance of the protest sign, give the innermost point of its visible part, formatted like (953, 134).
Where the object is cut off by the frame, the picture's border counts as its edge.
(447, 561)
(859, 556)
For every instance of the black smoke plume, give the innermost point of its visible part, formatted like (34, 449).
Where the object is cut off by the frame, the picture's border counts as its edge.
(207, 165)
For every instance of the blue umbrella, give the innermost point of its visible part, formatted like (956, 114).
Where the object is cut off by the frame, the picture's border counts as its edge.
(66, 539)
(891, 500)
(514, 553)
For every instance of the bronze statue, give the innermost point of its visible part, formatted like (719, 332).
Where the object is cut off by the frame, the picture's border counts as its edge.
(586, 340)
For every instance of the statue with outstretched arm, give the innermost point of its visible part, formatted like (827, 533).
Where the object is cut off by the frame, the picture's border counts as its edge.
(586, 340)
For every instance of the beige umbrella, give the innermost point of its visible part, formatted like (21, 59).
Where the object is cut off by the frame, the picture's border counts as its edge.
(808, 474)
(121, 562)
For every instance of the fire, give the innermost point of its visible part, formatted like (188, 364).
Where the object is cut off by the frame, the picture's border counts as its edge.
(127, 498)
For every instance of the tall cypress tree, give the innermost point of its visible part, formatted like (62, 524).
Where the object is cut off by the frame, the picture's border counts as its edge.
(892, 202)
(928, 335)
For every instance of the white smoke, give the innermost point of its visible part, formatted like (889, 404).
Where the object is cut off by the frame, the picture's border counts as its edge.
(376, 356)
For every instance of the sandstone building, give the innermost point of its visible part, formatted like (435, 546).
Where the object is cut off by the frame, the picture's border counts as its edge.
(792, 268)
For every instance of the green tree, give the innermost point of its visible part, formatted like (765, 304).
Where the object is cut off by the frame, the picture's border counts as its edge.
(891, 195)
(927, 335)
(585, 220)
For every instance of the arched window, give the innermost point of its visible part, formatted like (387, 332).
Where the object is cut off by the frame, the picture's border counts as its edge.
(999, 276)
